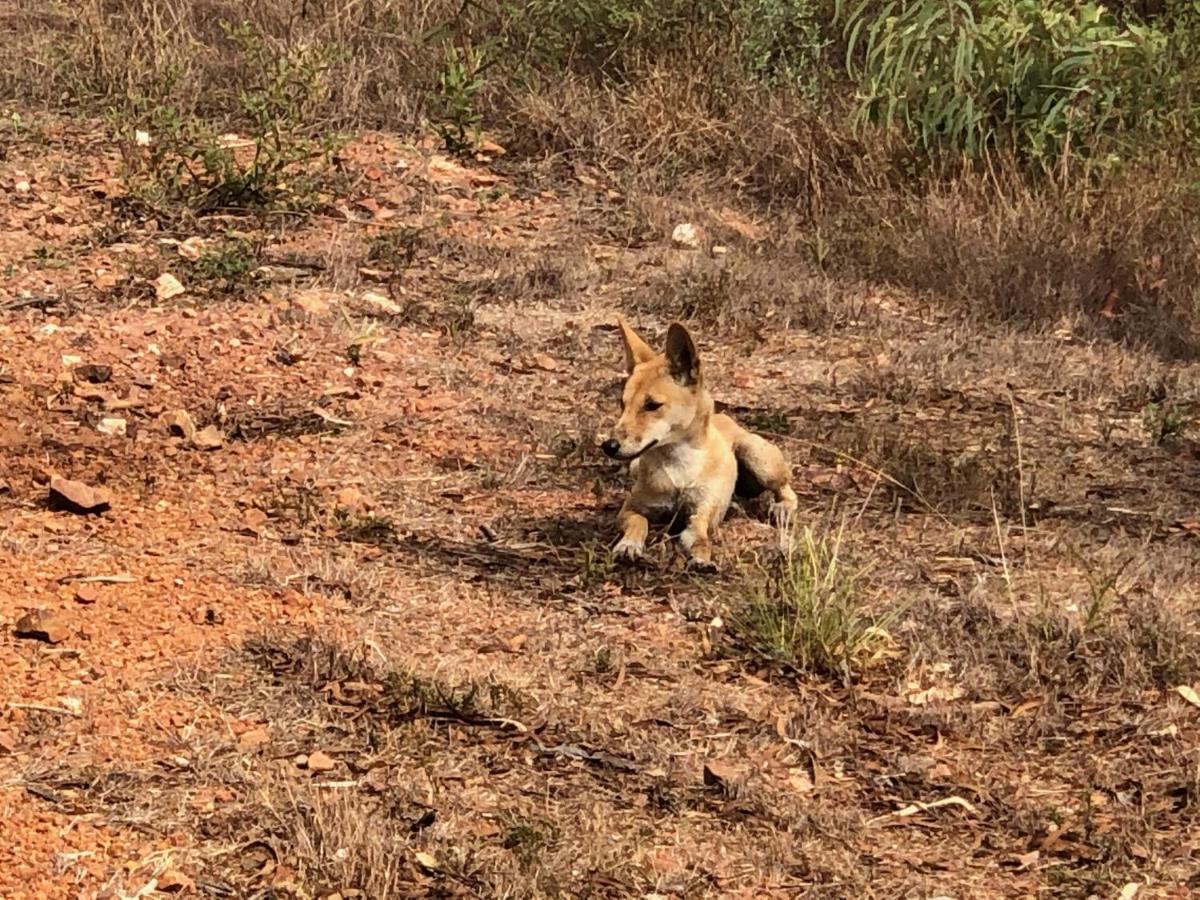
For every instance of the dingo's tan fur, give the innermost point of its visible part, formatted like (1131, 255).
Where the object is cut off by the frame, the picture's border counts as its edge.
(686, 461)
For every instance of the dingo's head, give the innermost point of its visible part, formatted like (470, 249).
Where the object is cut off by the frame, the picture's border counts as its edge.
(664, 395)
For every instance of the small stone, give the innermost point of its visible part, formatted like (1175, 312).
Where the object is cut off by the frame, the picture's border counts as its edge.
(113, 427)
(311, 303)
(93, 373)
(141, 138)
(382, 303)
(22, 186)
(720, 774)
(87, 594)
(172, 881)
(42, 625)
(168, 286)
(319, 761)
(209, 438)
(685, 235)
(255, 737)
(179, 423)
(74, 704)
(254, 520)
(351, 499)
(191, 249)
(546, 362)
(427, 861)
(78, 497)
(719, 250)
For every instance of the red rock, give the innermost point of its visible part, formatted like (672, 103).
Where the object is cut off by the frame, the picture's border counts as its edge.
(87, 594)
(209, 438)
(318, 761)
(43, 625)
(180, 424)
(78, 497)
(351, 499)
(173, 880)
(255, 737)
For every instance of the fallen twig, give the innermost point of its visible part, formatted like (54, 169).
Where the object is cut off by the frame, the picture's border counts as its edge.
(38, 707)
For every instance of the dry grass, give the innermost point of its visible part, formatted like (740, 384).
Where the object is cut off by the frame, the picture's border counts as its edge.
(139, 52)
(682, 120)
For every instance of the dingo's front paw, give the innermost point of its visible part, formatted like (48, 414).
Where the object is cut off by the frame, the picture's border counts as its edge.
(629, 551)
(780, 514)
(701, 566)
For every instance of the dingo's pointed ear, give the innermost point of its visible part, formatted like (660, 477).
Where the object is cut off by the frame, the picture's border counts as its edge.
(682, 358)
(637, 351)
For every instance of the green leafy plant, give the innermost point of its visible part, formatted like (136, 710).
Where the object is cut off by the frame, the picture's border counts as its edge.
(1041, 80)
(457, 117)
(228, 262)
(602, 35)
(186, 163)
(782, 41)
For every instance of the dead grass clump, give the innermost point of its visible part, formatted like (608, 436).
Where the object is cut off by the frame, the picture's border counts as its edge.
(543, 278)
(689, 116)
(1116, 259)
(396, 696)
(285, 419)
(971, 478)
(748, 295)
(325, 574)
(364, 529)
(126, 52)
(1109, 646)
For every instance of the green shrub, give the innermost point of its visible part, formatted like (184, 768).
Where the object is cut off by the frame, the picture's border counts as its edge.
(455, 115)
(782, 42)
(1041, 80)
(189, 165)
(604, 36)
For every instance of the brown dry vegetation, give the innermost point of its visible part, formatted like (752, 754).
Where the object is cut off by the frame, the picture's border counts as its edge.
(376, 646)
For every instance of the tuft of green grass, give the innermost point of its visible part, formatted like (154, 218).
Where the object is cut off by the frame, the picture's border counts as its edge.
(804, 611)
(226, 264)
(397, 248)
(456, 114)
(1165, 421)
(527, 840)
(597, 564)
(364, 529)
(181, 163)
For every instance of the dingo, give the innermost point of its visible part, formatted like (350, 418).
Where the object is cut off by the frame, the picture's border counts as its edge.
(687, 462)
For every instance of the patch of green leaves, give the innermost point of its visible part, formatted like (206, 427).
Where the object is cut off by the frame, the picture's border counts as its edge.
(178, 162)
(1041, 80)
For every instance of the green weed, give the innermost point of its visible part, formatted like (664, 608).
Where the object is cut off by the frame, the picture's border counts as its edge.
(803, 611)
(180, 162)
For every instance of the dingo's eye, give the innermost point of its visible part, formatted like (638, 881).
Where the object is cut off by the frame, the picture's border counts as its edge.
(651, 405)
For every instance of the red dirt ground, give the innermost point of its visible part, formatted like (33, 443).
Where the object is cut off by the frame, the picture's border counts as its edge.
(470, 437)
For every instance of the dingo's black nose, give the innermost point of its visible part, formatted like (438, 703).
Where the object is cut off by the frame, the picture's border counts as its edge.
(610, 447)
